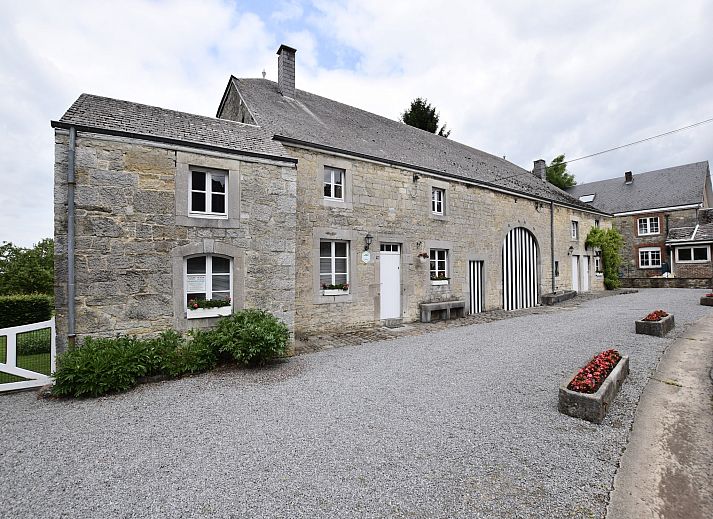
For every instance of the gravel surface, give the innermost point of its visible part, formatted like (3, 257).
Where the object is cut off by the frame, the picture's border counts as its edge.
(458, 423)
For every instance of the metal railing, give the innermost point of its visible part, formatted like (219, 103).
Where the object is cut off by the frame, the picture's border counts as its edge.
(27, 355)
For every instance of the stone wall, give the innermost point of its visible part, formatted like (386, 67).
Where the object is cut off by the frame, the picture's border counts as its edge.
(389, 204)
(628, 227)
(651, 282)
(129, 269)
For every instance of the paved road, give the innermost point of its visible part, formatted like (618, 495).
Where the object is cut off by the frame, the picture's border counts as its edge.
(667, 469)
(457, 423)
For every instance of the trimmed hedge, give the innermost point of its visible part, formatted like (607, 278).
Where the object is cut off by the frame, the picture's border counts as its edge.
(25, 309)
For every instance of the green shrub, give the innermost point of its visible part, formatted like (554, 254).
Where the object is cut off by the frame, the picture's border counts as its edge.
(101, 366)
(34, 342)
(251, 337)
(193, 356)
(25, 309)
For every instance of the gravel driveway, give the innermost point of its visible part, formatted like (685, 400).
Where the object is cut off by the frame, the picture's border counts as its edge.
(458, 423)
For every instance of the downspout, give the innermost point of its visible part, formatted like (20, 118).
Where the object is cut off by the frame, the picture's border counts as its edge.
(71, 290)
(552, 243)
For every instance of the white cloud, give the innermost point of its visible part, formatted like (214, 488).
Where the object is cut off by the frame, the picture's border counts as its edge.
(525, 80)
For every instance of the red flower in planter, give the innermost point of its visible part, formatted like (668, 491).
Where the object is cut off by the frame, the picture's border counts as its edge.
(709, 295)
(590, 377)
(656, 315)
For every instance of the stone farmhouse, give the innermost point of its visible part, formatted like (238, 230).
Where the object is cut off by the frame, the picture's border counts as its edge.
(646, 208)
(329, 216)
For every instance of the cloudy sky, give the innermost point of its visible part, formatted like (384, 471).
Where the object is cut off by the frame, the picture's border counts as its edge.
(525, 80)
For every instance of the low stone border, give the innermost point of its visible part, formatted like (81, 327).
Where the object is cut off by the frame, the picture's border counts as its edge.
(707, 301)
(593, 407)
(655, 328)
(557, 297)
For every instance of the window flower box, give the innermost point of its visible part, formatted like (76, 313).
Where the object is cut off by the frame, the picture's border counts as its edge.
(604, 371)
(707, 300)
(439, 282)
(202, 313)
(335, 291)
(657, 323)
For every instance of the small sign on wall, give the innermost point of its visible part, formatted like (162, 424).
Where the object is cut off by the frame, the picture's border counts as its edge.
(366, 256)
(195, 283)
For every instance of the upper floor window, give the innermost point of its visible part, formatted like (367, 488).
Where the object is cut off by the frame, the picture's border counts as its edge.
(439, 264)
(438, 196)
(649, 225)
(208, 285)
(692, 254)
(208, 193)
(575, 230)
(596, 224)
(334, 264)
(333, 183)
(649, 257)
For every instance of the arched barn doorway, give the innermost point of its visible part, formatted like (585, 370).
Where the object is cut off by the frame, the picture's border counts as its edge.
(520, 279)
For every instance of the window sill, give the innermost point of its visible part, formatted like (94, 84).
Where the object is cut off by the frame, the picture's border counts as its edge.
(334, 292)
(208, 216)
(203, 313)
(337, 203)
(692, 262)
(651, 267)
(650, 234)
(439, 282)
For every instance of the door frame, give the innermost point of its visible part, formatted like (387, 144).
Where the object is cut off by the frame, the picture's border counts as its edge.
(400, 255)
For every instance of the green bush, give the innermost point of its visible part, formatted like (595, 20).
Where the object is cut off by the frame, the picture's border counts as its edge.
(251, 337)
(193, 356)
(25, 309)
(34, 342)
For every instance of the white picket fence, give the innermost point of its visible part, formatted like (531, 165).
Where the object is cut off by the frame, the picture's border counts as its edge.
(34, 379)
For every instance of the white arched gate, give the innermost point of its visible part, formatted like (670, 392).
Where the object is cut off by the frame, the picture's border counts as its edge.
(520, 280)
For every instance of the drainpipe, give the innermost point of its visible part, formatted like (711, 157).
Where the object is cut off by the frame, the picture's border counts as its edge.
(552, 243)
(71, 291)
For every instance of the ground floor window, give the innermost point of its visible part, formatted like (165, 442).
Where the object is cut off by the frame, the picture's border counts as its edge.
(650, 257)
(692, 254)
(439, 264)
(334, 265)
(208, 281)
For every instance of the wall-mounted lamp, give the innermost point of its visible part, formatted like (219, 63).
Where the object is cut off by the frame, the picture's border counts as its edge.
(416, 176)
(570, 251)
(367, 241)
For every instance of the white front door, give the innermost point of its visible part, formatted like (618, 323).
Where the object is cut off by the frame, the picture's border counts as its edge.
(575, 273)
(585, 274)
(390, 284)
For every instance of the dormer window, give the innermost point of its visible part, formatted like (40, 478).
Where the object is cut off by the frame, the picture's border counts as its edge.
(586, 198)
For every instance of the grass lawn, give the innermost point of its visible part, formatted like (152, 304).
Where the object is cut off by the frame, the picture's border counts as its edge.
(39, 362)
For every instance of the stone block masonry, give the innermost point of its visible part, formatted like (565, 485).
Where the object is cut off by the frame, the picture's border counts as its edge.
(133, 232)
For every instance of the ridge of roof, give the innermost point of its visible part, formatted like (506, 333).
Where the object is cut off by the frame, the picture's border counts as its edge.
(315, 119)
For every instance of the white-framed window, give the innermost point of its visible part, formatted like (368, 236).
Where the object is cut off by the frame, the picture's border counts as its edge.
(334, 265)
(208, 278)
(438, 197)
(692, 254)
(208, 193)
(439, 264)
(648, 225)
(575, 230)
(334, 183)
(597, 263)
(649, 257)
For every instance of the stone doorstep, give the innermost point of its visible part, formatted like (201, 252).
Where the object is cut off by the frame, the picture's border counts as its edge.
(593, 407)
(655, 328)
(707, 301)
(557, 297)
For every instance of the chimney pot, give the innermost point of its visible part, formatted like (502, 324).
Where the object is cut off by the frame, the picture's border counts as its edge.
(286, 70)
(628, 177)
(540, 169)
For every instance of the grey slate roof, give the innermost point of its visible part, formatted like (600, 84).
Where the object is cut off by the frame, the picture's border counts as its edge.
(669, 187)
(317, 120)
(113, 115)
(704, 233)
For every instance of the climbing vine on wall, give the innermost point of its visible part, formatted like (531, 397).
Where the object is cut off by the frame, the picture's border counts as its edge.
(610, 242)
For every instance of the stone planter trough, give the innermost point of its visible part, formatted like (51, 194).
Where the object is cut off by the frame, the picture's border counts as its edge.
(655, 328)
(707, 301)
(593, 407)
(557, 297)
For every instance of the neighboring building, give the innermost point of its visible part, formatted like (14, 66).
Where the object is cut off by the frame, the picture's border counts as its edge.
(646, 206)
(329, 216)
(691, 248)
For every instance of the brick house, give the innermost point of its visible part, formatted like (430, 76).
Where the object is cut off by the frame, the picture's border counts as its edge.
(646, 206)
(325, 214)
(690, 248)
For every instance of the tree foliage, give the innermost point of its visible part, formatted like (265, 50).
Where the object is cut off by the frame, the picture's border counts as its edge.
(27, 271)
(610, 242)
(558, 175)
(424, 116)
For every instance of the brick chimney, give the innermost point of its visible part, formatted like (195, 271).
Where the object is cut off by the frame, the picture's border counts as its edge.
(540, 169)
(286, 70)
(628, 177)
